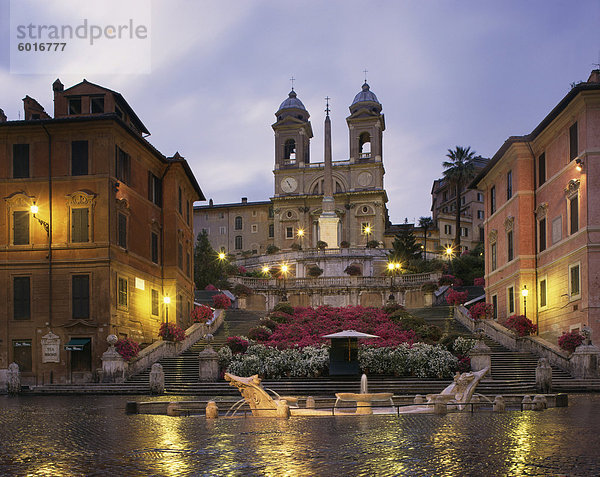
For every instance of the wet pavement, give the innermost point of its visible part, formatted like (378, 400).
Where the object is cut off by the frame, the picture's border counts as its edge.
(92, 435)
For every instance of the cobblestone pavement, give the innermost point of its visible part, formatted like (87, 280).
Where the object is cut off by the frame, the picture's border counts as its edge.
(92, 435)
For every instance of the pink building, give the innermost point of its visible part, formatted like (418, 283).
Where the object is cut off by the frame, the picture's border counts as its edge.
(542, 232)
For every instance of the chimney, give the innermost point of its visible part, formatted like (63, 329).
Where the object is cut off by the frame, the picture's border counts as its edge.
(210, 202)
(244, 200)
(2, 116)
(594, 77)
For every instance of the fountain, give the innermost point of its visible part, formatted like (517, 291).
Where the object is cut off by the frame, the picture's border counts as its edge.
(261, 404)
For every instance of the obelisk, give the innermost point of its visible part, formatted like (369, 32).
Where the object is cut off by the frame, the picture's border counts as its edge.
(328, 220)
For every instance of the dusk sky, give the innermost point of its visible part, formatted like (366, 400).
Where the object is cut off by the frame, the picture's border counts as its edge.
(447, 73)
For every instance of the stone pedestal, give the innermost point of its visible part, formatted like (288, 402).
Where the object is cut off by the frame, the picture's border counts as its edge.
(499, 404)
(481, 356)
(585, 361)
(13, 382)
(283, 410)
(157, 379)
(310, 402)
(539, 403)
(440, 405)
(419, 399)
(113, 364)
(526, 404)
(212, 411)
(208, 365)
(543, 376)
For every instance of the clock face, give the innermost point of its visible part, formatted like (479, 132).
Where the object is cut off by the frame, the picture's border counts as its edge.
(364, 179)
(289, 184)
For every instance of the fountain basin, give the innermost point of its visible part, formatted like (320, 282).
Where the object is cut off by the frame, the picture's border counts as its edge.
(363, 400)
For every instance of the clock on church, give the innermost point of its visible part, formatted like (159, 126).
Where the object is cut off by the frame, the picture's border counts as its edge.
(289, 184)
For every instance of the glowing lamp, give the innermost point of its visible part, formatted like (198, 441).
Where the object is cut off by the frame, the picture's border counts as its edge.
(166, 300)
(34, 209)
(524, 291)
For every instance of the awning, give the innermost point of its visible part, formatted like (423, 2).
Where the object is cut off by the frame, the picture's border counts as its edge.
(350, 334)
(76, 344)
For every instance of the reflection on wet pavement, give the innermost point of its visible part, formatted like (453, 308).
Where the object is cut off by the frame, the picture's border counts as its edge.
(92, 435)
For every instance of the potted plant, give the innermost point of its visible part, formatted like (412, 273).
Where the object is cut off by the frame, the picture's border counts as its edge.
(321, 245)
(171, 332)
(127, 348)
(201, 314)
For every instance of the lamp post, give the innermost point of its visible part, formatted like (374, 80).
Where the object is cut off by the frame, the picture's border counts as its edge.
(367, 231)
(300, 234)
(525, 292)
(393, 269)
(166, 301)
(284, 271)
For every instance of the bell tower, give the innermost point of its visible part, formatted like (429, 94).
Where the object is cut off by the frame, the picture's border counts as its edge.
(366, 124)
(292, 134)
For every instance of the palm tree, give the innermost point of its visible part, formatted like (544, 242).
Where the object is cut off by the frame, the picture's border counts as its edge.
(459, 171)
(426, 223)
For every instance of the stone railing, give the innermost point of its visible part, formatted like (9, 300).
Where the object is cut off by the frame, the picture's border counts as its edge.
(163, 349)
(531, 344)
(408, 280)
(312, 254)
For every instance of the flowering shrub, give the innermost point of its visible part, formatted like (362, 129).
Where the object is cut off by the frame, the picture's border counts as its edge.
(279, 317)
(211, 287)
(464, 364)
(384, 360)
(321, 245)
(284, 307)
(127, 348)
(237, 344)
(456, 298)
(314, 271)
(269, 323)
(201, 314)
(242, 290)
(225, 356)
(259, 333)
(273, 363)
(457, 282)
(221, 301)
(481, 311)
(462, 346)
(344, 244)
(479, 282)
(571, 340)
(171, 332)
(520, 325)
(392, 307)
(242, 270)
(446, 280)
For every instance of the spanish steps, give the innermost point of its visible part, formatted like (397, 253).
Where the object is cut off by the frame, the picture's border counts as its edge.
(512, 372)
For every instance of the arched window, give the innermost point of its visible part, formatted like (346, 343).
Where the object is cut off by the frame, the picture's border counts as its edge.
(238, 242)
(238, 223)
(364, 145)
(289, 151)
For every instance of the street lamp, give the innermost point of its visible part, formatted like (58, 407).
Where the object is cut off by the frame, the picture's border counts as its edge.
(222, 255)
(166, 301)
(525, 292)
(34, 210)
(284, 269)
(367, 231)
(449, 252)
(300, 234)
(393, 269)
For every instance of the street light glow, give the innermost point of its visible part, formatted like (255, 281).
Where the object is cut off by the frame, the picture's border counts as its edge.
(222, 255)
(166, 300)
(300, 233)
(34, 209)
(525, 291)
(265, 269)
(390, 266)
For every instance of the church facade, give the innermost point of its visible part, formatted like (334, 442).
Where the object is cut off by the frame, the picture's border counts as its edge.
(293, 217)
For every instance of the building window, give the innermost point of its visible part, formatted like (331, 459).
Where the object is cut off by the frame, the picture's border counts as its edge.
(271, 212)
(480, 214)
(20, 227)
(188, 264)
(122, 293)
(122, 232)
(21, 298)
(289, 232)
(238, 223)
(221, 216)
(123, 165)
(74, 105)
(154, 189)
(222, 230)
(573, 142)
(509, 243)
(492, 200)
(79, 158)
(254, 228)
(187, 212)
(510, 291)
(543, 293)
(80, 219)
(97, 104)
(479, 197)
(154, 304)
(180, 256)
(254, 213)
(20, 161)
(481, 234)
(154, 246)
(464, 232)
(179, 201)
(238, 242)
(508, 185)
(271, 230)
(448, 229)
(541, 169)
(445, 196)
(495, 307)
(542, 234)
(493, 247)
(574, 281)
(22, 355)
(80, 293)
(574, 214)
(557, 229)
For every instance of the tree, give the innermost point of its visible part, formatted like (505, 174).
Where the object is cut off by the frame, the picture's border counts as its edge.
(208, 269)
(459, 171)
(405, 246)
(426, 223)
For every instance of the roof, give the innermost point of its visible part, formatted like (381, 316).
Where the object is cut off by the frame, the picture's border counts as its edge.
(552, 115)
(292, 102)
(349, 334)
(365, 95)
(234, 204)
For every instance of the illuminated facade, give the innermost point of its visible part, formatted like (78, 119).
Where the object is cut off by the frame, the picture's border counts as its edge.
(96, 231)
(542, 196)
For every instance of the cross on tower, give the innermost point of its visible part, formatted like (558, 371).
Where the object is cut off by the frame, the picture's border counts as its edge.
(365, 72)
(327, 98)
(292, 80)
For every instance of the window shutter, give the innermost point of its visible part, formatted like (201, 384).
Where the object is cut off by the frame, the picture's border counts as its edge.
(21, 227)
(22, 298)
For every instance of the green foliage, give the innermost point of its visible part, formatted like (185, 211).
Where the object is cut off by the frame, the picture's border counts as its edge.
(284, 307)
(296, 246)
(344, 244)
(271, 249)
(469, 265)
(429, 333)
(429, 287)
(208, 269)
(405, 246)
(241, 290)
(372, 244)
(321, 245)
(314, 271)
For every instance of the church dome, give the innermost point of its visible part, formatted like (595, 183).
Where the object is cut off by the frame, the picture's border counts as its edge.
(365, 95)
(292, 102)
